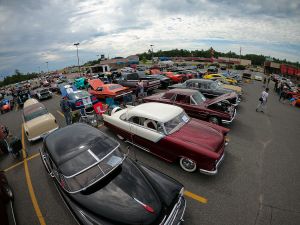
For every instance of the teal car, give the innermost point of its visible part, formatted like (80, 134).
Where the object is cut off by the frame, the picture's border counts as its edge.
(81, 83)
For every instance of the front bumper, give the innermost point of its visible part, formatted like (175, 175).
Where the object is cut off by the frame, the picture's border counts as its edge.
(232, 118)
(42, 135)
(215, 171)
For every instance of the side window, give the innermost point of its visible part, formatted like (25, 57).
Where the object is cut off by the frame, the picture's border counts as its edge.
(135, 120)
(150, 124)
(168, 96)
(194, 85)
(183, 99)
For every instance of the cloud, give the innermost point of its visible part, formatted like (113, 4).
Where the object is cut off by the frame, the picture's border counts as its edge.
(35, 31)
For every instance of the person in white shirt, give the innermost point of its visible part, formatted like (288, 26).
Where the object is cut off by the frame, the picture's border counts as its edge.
(263, 100)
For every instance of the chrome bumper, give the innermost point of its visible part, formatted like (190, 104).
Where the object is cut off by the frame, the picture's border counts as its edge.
(42, 135)
(213, 172)
(232, 118)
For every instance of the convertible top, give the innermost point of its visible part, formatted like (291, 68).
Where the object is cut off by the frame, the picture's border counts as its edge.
(77, 147)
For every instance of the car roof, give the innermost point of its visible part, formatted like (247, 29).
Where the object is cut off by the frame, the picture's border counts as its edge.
(77, 147)
(183, 91)
(155, 111)
(200, 80)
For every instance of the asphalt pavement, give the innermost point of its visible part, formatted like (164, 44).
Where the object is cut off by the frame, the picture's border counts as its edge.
(257, 184)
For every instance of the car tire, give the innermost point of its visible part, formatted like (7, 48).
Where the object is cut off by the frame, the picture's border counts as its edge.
(187, 164)
(214, 120)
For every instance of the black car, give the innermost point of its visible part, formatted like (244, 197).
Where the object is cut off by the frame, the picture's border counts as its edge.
(7, 216)
(23, 96)
(208, 88)
(101, 185)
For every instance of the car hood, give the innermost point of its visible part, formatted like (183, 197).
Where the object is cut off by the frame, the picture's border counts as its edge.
(117, 199)
(220, 98)
(177, 86)
(232, 87)
(201, 134)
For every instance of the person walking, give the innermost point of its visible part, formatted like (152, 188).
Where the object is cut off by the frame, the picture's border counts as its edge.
(66, 109)
(263, 100)
(283, 93)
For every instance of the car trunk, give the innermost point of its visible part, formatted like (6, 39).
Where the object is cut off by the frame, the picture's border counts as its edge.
(40, 125)
(116, 200)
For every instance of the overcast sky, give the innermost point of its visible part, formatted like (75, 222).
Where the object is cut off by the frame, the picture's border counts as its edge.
(35, 31)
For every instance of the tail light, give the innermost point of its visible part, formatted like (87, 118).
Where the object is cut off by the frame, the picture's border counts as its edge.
(79, 103)
(94, 98)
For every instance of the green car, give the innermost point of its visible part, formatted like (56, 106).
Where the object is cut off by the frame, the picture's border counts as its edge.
(80, 83)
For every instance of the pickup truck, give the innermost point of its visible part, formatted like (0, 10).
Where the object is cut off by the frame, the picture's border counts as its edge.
(131, 80)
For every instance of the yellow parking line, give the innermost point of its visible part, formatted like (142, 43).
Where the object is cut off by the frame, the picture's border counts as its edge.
(60, 113)
(29, 184)
(19, 163)
(195, 197)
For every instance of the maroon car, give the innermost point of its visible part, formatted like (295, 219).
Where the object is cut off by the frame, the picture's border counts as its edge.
(217, 110)
(169, 133)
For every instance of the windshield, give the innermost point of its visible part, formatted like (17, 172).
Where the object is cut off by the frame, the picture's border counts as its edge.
(176, 123)
(79, 95)
(98, 171)
(35, 114)
(113, 87)
(199, 98)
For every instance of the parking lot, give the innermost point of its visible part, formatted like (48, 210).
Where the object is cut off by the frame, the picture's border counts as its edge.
(258, 182)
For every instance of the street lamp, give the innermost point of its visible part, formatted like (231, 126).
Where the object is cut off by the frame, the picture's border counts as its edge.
(152, 52)
(47, 67)
(76, 44)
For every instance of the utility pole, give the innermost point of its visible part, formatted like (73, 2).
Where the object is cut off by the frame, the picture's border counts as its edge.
(47, 67)
(152, 53)
(76, 44)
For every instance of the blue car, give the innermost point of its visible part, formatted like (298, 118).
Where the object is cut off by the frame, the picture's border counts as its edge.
(81, 99)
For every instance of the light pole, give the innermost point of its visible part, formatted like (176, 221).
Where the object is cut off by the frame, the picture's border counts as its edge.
(152, 52)
(47, 67)
(76, 44)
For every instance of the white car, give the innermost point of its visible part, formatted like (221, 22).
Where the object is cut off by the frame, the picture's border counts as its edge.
(38, 122)
(258, 77)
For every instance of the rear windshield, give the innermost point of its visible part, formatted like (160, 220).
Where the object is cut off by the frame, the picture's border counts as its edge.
(79, 95)
(35, 114)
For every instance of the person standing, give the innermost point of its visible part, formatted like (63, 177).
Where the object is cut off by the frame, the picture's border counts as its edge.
(263, 100)
(141, 88)
(283, 93)
(268, 81)
(66, 109)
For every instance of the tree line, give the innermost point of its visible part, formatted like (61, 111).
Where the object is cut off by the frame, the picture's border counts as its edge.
(17, 77)
(257, 60)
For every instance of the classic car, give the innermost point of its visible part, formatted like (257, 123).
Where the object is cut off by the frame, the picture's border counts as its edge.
(43, 93)
(38, 122)
(30, 101)
(23, 96)
(81, 99)
(81, 83)
(169, 133)
(217, 110)
(131, 80)
(5, 106)
(45, 83)
(223, 79)
(212, 69)
(176, 78)
(208, 88)
(164, 81)
(185, 75)
(102, 91)
(7, 215)
(258, 77)
(101, 185)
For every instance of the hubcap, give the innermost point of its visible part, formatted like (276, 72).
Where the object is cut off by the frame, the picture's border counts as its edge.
(188, 164)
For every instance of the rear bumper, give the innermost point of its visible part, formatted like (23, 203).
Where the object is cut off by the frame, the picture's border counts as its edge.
(42, 135)
(215, 171)
(176, 216)
(232, 118)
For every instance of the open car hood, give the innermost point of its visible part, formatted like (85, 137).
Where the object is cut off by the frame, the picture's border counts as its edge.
(220, 98)
(96, 83)
(119, 197)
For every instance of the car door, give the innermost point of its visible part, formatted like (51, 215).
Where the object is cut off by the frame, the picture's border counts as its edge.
(183, 101)
(147, 135)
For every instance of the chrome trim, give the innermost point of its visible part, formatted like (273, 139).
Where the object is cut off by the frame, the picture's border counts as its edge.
(145, 149)
(74, 175)
(174, 212)
(126, 93)
(232, 118)
(42, 135)
(213, 172)
(12, 212)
